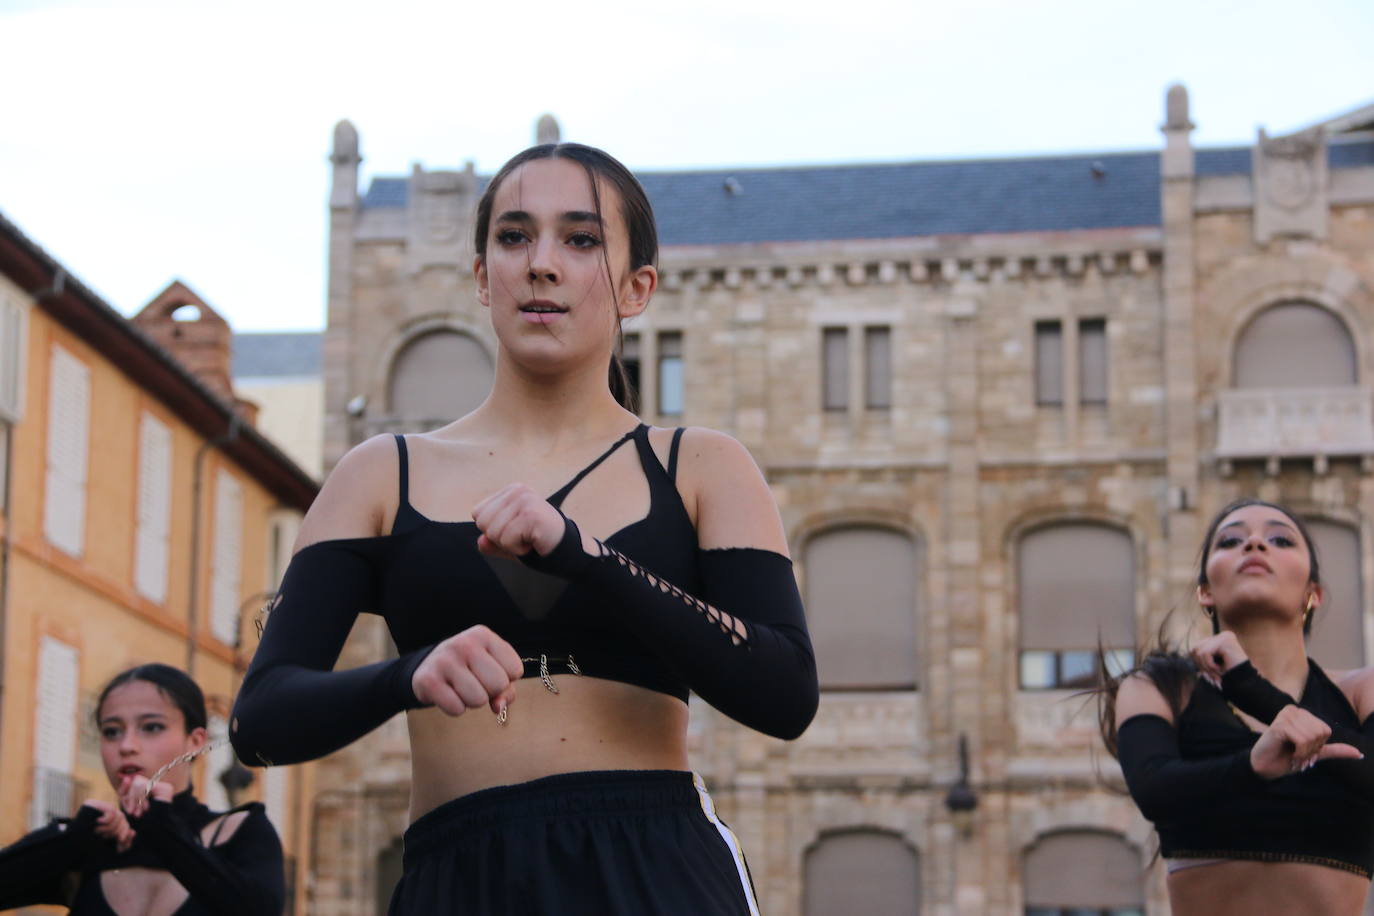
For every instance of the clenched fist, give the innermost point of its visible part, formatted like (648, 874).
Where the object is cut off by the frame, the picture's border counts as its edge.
(469, 670)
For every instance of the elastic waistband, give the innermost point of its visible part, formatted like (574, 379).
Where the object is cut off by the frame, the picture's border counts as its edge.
(591, 793)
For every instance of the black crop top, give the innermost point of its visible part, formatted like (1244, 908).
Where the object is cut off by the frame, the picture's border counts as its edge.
(539, 614)
(1196, 783)
(63, 862)
(649, 609)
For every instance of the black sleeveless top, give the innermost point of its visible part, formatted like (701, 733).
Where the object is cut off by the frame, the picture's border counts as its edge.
(1304, 817)
(435, 583)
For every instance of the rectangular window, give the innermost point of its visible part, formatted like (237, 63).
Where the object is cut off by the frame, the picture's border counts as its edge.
(154, 508)
(670, 373)
(69, 407)
(1092, 361)
(1049, 362)
(13, 347)
(630, 359)
(226, 572)
(1048, 669)
(835, 369)
(274, 798)
(878, 368)
(54, 740)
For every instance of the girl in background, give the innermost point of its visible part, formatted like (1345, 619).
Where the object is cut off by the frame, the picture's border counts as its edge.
(1247, 756)
(158, 851)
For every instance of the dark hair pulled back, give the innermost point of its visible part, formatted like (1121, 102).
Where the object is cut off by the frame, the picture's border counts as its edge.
(635, 210)
(176, 685)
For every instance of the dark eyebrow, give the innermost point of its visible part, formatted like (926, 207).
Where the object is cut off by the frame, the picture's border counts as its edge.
(572, 216)
(140, 717)
(581, 216)
(1271, 522)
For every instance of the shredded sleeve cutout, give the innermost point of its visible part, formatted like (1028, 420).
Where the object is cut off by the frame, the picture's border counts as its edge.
(732, 627)
(741, 645)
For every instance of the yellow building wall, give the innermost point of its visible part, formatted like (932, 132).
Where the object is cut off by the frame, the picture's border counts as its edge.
(90, 601)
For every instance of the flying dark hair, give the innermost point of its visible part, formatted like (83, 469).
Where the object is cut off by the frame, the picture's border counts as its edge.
(635, 210)
(176, 685)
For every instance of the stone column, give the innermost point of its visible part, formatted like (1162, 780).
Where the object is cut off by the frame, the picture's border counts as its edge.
(343, 214)
(960, 709)
(1180, 360)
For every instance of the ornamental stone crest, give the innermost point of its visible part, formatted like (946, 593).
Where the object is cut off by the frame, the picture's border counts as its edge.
(1290, 185)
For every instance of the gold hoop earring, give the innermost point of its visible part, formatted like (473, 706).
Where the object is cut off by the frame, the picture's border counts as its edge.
(1307, 614)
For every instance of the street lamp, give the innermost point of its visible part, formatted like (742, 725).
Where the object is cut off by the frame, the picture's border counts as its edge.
(961, 800)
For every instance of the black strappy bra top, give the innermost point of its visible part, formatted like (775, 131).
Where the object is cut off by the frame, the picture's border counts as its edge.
(1306, 817)
(435, 583)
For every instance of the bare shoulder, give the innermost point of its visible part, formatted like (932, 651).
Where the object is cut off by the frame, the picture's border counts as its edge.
(357, 496)
(1137, 696)
(707, 454)
(726, 493)
(1358, 686)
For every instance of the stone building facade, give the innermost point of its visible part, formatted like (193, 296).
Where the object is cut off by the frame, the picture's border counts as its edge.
(997, 402)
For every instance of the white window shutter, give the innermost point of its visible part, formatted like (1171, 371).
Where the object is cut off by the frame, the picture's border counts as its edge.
(216, 762)
(274, 797)
(54, 740)
(154, 509)
(228, 553)
(13, 348)
(69, 409)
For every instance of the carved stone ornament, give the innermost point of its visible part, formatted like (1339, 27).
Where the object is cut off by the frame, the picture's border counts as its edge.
(1290, 179)
(1290, 175)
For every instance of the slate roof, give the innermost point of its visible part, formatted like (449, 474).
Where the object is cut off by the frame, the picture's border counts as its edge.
(258, 354)
(902, 200)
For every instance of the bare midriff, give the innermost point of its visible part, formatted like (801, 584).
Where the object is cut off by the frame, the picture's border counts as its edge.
(590, 724)
(1244, 888)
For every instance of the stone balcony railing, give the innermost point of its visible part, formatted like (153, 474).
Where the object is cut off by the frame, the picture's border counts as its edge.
(1274, 423)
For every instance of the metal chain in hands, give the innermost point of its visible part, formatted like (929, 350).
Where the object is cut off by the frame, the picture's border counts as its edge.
(545, 677)
(178, 761)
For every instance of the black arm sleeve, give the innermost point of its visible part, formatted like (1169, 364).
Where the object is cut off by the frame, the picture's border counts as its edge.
(34, 869)
(1165, 786)
(1255, 694)
(742, 646)
(243, 876)
(293, 706)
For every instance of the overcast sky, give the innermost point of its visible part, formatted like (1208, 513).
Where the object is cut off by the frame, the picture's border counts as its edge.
(146, 140)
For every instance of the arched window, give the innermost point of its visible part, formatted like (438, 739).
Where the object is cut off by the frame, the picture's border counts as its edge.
(1077, 587)
(861, 607)
(1295, 345)
(438, 377)
(1083, 873)
(862, 871)
(1337, 638)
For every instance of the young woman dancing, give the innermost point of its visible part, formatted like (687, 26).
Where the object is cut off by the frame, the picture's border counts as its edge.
(159, 851)
(547, 546)
(1248, 757)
